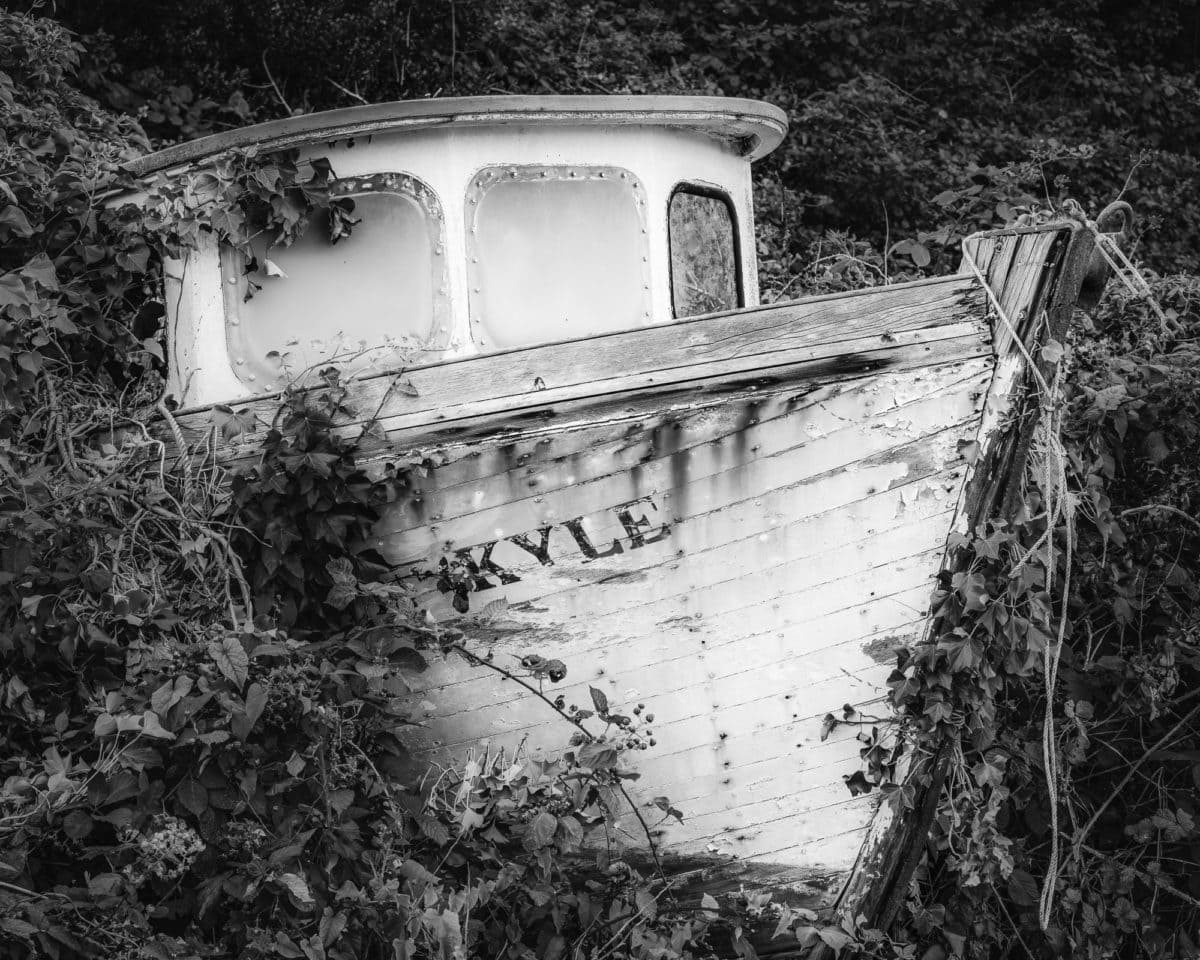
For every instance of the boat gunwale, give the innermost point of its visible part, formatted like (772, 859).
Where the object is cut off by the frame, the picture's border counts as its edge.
(681, 324)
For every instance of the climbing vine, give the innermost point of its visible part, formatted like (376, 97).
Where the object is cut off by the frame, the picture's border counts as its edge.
(204, 673)
(975, 716)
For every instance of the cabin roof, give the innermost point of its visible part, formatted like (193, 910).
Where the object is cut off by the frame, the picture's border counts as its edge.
(755, 127)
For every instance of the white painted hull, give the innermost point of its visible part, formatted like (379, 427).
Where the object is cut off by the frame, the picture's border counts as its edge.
(788, 544)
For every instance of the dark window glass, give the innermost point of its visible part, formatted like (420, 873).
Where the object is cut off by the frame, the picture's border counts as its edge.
(704, 267)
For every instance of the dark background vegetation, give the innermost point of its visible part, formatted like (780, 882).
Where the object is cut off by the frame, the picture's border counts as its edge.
(892, 102)
(913, 123)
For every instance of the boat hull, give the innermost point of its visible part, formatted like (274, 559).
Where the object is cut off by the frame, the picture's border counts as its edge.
(734, 520)
(741, 566)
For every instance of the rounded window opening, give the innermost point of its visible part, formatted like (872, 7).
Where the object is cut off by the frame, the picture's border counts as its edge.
(555, 253)
(368, 301)
(705, 266)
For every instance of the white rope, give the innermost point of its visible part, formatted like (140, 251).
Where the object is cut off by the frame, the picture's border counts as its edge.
(1058, 507)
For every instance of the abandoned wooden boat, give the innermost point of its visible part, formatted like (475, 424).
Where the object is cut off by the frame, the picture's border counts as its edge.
(727, 511)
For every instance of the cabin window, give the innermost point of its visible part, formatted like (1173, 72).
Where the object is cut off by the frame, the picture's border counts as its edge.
(555, 253)
(705, 274)
(369, 300)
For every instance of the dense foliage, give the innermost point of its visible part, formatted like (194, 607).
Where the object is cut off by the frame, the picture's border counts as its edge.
(202, 674)
(1118, 582)
(200, 682)
(892, 102)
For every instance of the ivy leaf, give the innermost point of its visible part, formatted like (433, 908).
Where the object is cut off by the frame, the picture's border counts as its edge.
(18, 928)
(835, 938)
(77, 824)
(599, 700)
(151, 727)
(1110, 397)
(332, 925)
(857, 783)
(345, 583)
(297, 889)
(664, 804)
(154, 348)
(964, 653)
(1022, 888)
(827, 726)
(169, 694)
(973, 589)
(231, 659)
(541, 830)
(434, 829)
(256, 702)
(193, 796)
(572, 832)
(232, 423)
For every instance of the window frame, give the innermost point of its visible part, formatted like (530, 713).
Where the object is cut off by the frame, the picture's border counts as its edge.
(701, 189)
(439, 334)
(485, 177)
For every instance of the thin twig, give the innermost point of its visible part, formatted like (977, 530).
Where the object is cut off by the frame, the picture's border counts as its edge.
(350, 93)
(1017, 930)
(1148, 877)
(1077, 842)
(473, 658)
(1166, 508)
(274, 85)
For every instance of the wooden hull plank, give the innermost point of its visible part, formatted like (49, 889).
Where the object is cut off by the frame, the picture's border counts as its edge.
(468, 480)
(560, 481)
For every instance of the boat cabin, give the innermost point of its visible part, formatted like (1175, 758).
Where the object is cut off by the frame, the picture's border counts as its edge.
(486, 224)
(731, 512)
